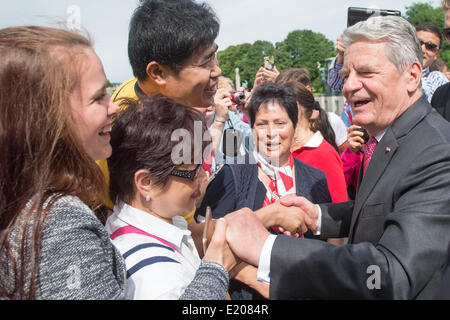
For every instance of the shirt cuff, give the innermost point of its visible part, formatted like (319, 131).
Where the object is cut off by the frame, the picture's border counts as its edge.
(263, 274)
(319, 221)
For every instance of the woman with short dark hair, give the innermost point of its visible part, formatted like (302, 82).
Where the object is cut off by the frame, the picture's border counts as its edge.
(156, 176)
(270, 174)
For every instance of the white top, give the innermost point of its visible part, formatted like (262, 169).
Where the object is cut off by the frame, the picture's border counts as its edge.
(161, 258)
(339, 128)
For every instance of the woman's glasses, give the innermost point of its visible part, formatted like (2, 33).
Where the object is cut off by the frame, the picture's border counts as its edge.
(186, 174)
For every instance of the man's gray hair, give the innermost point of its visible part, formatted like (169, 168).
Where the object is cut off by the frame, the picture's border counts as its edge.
(403, 47)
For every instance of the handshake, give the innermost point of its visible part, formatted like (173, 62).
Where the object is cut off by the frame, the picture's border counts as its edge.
(241, 235)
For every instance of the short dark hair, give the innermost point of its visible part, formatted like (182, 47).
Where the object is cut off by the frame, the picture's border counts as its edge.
(429, 27)
(301, 75)
(306, 100)
(141, 138)
(169, 32)
(273, 92)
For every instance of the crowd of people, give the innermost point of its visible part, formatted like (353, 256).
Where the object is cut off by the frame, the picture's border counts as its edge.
(108, 197)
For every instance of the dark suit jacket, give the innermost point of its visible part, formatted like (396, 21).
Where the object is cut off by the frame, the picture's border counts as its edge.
(441, 100)
(398, 226)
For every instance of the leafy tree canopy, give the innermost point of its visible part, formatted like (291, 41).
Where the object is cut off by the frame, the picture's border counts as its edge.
(306, 48)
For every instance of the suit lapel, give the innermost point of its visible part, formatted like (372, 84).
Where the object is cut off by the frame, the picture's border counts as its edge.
(383, 154)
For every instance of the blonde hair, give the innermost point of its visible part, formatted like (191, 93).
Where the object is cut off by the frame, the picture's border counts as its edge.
(445, 5)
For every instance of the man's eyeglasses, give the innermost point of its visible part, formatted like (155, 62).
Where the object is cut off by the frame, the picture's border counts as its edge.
(186, 174)
(430, 46)
(446, 33)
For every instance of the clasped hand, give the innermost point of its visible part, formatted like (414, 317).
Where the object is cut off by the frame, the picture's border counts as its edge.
(245, 231)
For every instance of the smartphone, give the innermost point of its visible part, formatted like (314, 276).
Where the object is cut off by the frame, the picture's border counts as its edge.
(207, 229)
(269, 63)
(356, 15)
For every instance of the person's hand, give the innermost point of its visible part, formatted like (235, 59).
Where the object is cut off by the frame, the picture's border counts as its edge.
(354, 139)
(218, 249)
(291, 220)
(263, 76)
(246, 235)
(244, 106)
(222, 103)
(307, 207)
(340, 49)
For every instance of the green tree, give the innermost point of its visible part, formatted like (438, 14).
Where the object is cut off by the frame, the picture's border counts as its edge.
(301, 48)
(306, 49)
(231, 58)
(419, 13)
(255, 59)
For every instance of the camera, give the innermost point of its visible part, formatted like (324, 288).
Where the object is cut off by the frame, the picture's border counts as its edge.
(356, 15)
(238, 97)
(365, 136)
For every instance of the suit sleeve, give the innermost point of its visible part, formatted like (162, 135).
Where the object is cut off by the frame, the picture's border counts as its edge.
(406, 262)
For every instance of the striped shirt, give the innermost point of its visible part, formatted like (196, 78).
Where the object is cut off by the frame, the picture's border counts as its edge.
(161, 258)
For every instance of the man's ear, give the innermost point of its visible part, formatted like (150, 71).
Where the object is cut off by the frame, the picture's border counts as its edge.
(157, 73)
(414, 74)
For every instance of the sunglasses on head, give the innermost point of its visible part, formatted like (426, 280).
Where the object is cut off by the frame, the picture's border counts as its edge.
(429, 45)
(186, 174)
(446, 33)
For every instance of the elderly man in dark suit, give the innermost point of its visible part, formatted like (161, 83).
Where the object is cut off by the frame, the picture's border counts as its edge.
(399, 224)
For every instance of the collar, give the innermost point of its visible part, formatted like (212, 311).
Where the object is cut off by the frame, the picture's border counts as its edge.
(425, 72)
(314, 141)
(380, 135)
(150, 224)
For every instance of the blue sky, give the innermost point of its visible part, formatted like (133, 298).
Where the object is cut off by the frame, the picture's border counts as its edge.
(241, 21)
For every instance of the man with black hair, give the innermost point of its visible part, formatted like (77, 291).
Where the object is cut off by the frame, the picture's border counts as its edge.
(430, 38)
(172, 51)
(441, 98)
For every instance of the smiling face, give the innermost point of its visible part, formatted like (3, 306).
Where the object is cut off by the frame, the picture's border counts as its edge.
(91, 107)
(274, 132)
(376, 90)
(196, 84)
